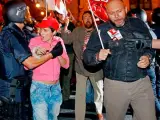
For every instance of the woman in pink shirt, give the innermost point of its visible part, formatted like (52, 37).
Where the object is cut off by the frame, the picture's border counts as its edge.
(45, 89)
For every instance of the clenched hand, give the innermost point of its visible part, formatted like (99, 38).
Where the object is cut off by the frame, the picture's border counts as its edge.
(143, 62)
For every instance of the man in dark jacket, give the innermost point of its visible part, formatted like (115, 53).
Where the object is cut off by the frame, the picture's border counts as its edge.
(124, 64)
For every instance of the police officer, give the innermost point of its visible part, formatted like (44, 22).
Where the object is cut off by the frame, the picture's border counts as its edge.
(141, 14)
(156, 29)
(15, 54)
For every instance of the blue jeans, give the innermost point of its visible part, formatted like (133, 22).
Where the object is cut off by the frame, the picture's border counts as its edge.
(46, 100)
(89, 92)
(158, 90)
(152, 75)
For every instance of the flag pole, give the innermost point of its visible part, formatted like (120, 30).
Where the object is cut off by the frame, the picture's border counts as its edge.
(46, 8)
(98, 31)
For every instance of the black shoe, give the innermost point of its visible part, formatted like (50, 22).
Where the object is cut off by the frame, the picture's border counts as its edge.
(65, 104)
(90, 107)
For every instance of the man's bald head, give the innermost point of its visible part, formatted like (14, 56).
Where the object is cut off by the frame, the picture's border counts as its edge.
(113, 3)
(116, 11)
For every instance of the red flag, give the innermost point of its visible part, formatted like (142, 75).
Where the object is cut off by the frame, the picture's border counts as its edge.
(1, 17)
(98, 8)
(68, 1)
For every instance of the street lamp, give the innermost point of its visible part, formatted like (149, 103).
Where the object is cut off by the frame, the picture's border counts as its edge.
(38, 5)
(42, 13)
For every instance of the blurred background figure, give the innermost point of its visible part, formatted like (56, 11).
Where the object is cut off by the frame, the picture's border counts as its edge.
(156, 28)
(29, 22)
(141, 14)
(66, 75)
(156, 21)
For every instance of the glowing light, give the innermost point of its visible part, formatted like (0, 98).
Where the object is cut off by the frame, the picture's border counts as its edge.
(42, 13)
(38, 5)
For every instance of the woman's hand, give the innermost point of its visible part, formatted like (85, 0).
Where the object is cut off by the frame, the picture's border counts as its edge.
(41, 51)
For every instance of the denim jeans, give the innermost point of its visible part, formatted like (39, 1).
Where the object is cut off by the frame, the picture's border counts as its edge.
(152, 75)
(89, 92)
(46, 100)
(158, 90)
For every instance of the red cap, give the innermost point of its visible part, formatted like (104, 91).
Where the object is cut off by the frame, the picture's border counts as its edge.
(49, 22)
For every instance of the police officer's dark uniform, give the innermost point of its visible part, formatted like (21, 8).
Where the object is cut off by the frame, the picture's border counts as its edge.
(14, 54)
(13, 51)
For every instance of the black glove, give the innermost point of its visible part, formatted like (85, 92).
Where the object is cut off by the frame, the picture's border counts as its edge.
(143, 44)
(139, 43)
(57, 50)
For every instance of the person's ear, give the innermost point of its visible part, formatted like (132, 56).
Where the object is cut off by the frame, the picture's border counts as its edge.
(82, 22)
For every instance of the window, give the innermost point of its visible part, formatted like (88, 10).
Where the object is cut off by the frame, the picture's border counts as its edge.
(144, 4)
(133, 4)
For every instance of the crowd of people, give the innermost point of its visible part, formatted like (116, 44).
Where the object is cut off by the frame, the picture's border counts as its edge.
(39, 61)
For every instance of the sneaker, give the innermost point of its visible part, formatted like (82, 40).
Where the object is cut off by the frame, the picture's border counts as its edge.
(100, 117)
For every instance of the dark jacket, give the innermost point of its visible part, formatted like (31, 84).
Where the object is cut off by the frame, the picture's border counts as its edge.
(156, 30)
(121, 65)
(13, 51)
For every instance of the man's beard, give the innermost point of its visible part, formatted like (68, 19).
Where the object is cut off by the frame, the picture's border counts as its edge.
(119, 25)
(88, 26)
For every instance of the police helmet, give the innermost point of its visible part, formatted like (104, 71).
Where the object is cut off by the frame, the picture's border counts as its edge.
(156, 15)
(14, 11)
(139, 13)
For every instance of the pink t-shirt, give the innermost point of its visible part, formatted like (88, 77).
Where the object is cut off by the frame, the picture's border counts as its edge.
(50, 70)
